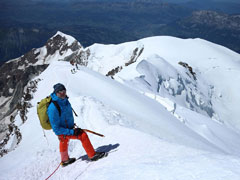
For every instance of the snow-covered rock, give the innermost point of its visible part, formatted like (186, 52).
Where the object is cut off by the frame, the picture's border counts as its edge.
(16, 74)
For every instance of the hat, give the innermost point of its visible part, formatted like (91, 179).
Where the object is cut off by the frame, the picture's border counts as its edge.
(58, 87)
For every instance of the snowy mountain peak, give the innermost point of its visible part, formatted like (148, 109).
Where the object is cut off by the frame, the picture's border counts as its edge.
(69, 39)
(196, 63)
(60, 46)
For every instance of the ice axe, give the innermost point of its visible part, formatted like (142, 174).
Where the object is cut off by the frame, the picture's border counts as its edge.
(87, 130)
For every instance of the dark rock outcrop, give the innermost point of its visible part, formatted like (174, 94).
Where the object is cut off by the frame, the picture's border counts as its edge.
(135, 54)
(16, 86)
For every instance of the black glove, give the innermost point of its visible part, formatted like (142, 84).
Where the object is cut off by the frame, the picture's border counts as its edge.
(78, 131)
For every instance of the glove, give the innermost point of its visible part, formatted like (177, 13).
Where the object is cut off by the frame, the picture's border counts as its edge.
(78, 131)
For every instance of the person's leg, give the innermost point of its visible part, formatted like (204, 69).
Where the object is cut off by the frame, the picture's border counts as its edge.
(87, 145)
(63, 146)
(83, 137)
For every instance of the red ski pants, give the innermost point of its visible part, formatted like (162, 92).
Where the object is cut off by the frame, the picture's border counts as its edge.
(83, 137)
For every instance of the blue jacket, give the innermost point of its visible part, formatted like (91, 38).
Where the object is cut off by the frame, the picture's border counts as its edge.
(61, 124)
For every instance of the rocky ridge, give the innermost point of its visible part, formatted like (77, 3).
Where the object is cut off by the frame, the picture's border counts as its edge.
(16, 87)
(216, 19)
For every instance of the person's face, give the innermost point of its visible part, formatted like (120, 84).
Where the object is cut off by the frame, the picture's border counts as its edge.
(62, 94)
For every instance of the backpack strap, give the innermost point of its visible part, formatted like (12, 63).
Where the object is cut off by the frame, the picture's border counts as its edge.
(59, 109)
(57, 106)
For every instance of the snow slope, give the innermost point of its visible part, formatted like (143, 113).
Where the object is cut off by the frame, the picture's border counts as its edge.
(217, 72)
(146, 140)
(158, 121)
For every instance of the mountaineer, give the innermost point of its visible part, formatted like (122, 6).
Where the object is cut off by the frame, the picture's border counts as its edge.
(62, 121)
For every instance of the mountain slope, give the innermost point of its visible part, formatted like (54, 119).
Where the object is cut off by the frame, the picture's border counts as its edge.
(136, 151)
(161, 109)
(203, 75)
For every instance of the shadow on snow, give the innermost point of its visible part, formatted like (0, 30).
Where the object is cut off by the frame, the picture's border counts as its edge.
(106, 148)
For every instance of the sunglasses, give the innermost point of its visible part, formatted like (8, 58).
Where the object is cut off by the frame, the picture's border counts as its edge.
(62, 91)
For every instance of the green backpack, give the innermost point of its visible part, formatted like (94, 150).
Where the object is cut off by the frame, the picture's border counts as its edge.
(42, 112)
